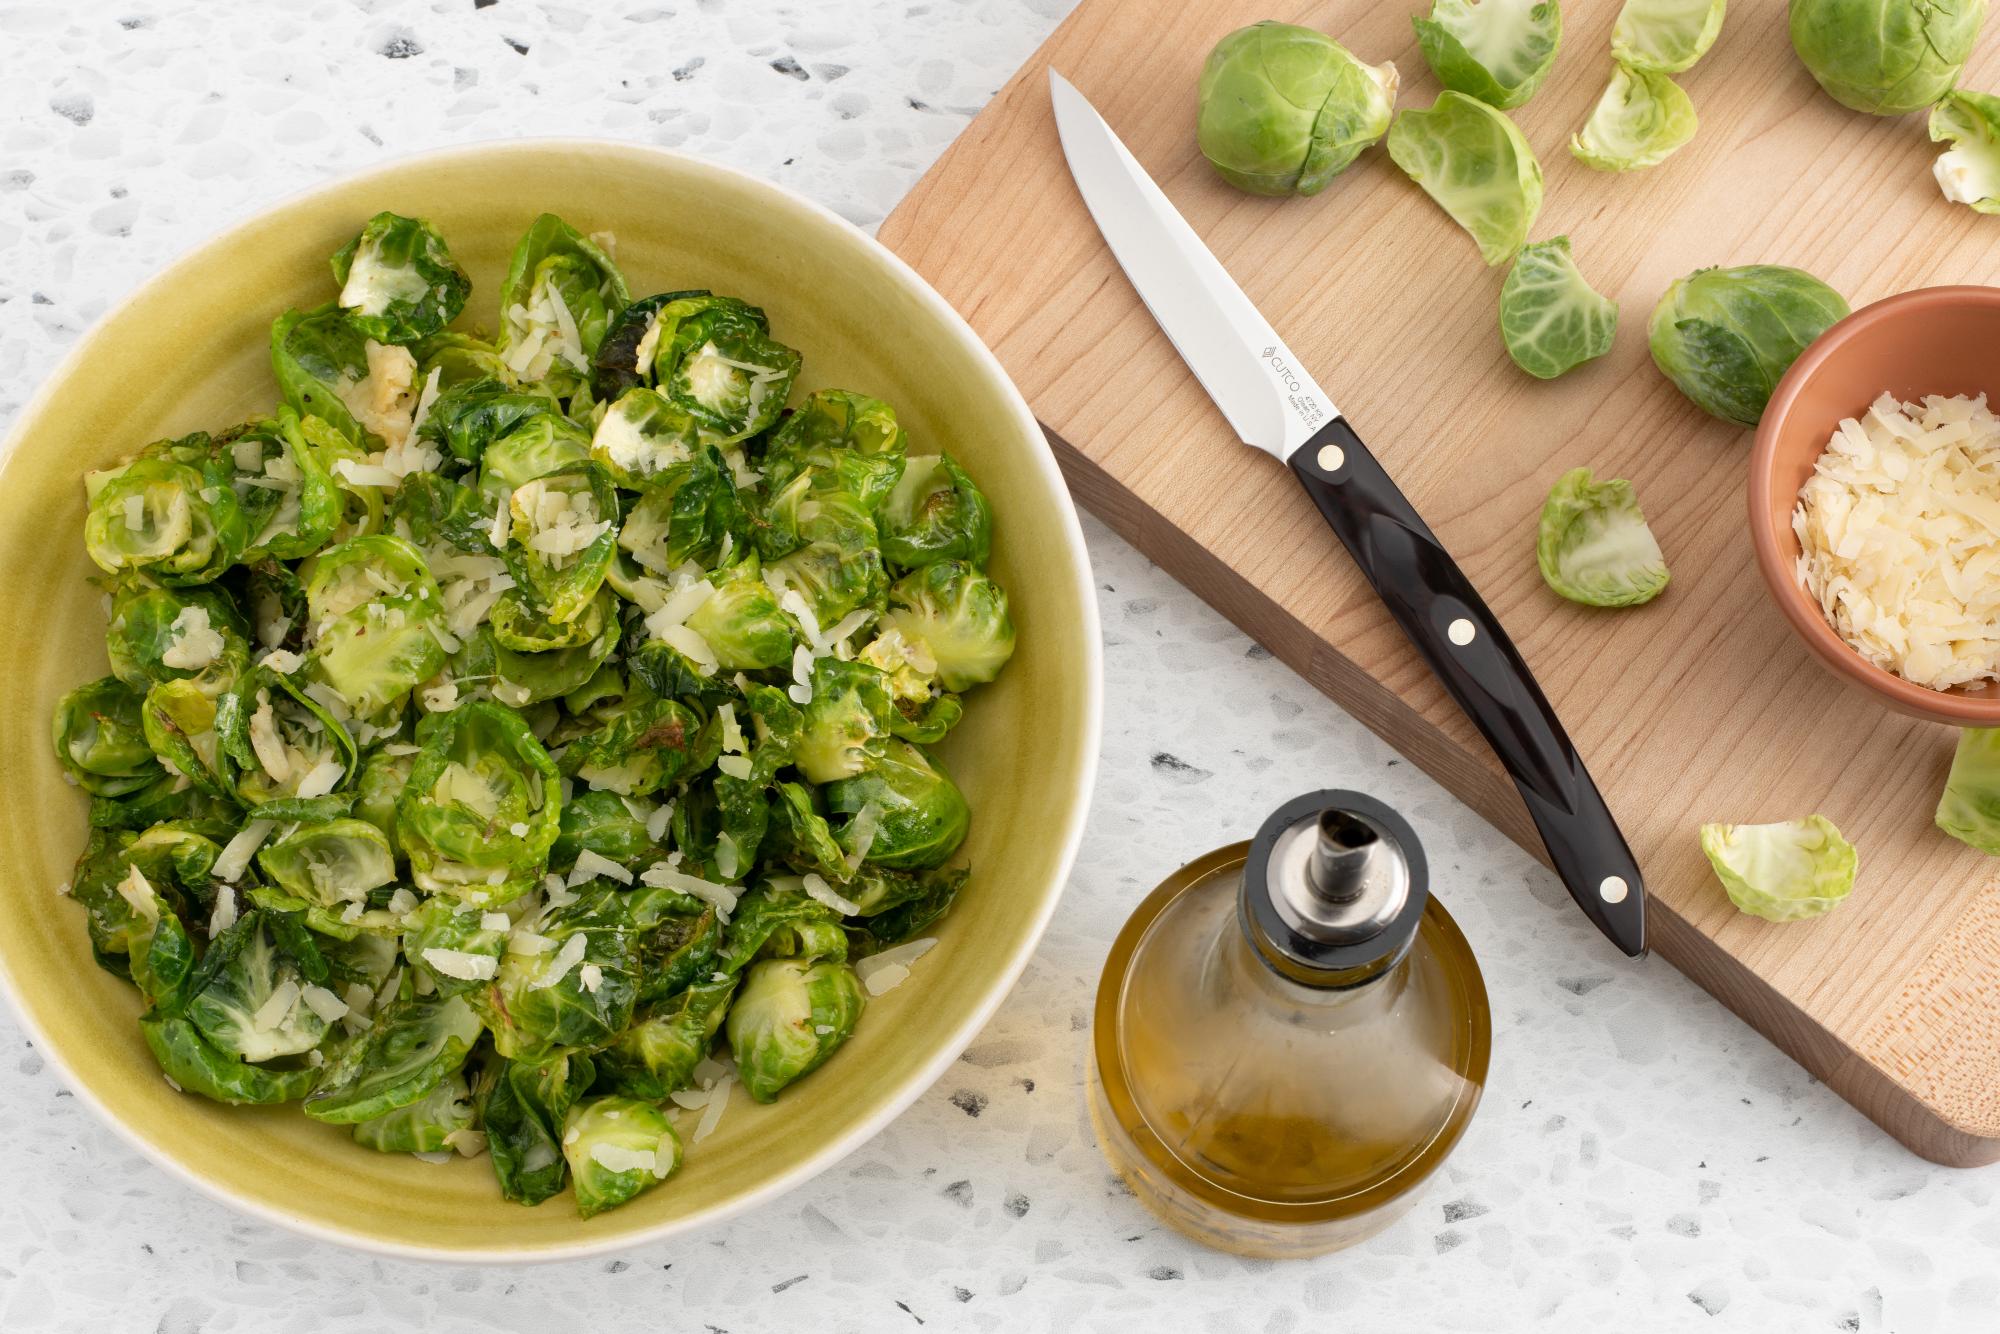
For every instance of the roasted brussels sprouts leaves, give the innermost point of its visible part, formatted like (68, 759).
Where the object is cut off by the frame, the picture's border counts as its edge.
(1285, 109)
(512, 744)
(1498, 51)
(1593, 545)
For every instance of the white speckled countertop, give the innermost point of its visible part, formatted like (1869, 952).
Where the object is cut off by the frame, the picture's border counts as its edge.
(1642, 1159)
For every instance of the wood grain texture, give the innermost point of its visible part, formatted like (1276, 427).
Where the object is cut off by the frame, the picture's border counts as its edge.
(1700, 706)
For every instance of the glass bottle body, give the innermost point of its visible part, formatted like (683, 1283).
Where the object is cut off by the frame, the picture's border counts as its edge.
(1267, 1117)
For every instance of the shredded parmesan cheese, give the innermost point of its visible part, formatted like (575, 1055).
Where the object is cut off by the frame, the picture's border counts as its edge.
(224, 915)
(816, 887)
(887, 970)
(1899, 531)
(568, 957)
(192, 643)
(236, 853)
(463, 964)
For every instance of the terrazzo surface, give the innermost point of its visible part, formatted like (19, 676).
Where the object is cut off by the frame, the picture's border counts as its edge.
(1642, 1160)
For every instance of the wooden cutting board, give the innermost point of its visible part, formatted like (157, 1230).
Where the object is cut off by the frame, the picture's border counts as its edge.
(1698, 707)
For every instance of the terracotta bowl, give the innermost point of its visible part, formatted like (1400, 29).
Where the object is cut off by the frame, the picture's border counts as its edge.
(188, 350)
(1938, 340)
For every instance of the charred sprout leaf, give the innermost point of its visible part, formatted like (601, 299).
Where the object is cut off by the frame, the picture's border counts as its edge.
(249, 999)
(1885, 57)
(920, 817)
(440, 1120)
(101, 740)
(399, 283)
(563, 531)
(852, 441)
(657, 1055)
(522, 1107)
(1551, 319)
(790, 1016)
(1285, 109)
(1594, 546)
(1640, 120)
(1969, 809)
(845, 721)
(561, 294)
(929, 897)
(727, 372)
(618, 1148)
(1726, 336)
(935, 513)
(956, 617)
(1969, 171)
(1782, 872)
(412, 1047)
(164, 519)
(645, 438)
(576, 989)
(1498, 51)
(196, 1065)
(1666, 36)
(482, 807)
(650, 745)
(333, 864)
(1472, 160)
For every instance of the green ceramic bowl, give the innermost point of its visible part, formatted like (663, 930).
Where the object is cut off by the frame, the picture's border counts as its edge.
(187, 350)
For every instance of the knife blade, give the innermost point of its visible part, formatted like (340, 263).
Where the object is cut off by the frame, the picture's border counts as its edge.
(1273, 404)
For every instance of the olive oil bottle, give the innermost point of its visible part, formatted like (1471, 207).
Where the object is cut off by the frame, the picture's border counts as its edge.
(1290, 1035)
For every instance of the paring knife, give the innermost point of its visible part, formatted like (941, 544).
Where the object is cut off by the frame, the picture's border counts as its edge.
(1275, 406)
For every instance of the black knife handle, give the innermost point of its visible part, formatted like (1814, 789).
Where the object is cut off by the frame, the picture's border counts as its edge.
(1449, 623)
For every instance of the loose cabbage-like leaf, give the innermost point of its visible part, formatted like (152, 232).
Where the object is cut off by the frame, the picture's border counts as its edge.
(959, 615)
(854, 440)
(846, 719)
(150, 624)
(1285, 109)
(100, 739)
(1969, 171)
(645, 437)
(561, 293)
(399, 283)
(1498, 51)
(741, 623)
(196, 1065)
(657, 1055)
(563, 533)
(483, 805)
(239, 998)
(921, 817)
(1551, 319)
(376, 621)
(282, 741)
(1594, 546)
(1969, 808)
(1472, 160)
(935, 513)
(522, 1106)
(1666, 36)
(454, 945)
(1885, 57)
(161, 517)
(618, 1148)
(333, 864)
(1640, 120)
(576, 991)
(789, 1017)
(1726, 336)
(774, 922)
(411, 1049)
(727, 372)
(432, 1124)
(1782, 872)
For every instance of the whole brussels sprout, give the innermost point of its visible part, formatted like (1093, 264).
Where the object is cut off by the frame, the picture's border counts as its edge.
(790, 1016)
(1285, 109)
(959, 616)
(1726, 336)
(618, 1148)
(1885, 57)
(920, 815)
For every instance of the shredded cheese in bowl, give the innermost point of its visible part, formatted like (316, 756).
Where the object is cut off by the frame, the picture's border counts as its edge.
(1899, 535)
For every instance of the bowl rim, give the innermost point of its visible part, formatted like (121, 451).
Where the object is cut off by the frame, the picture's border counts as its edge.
(1091, 663)
(1769, 538)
